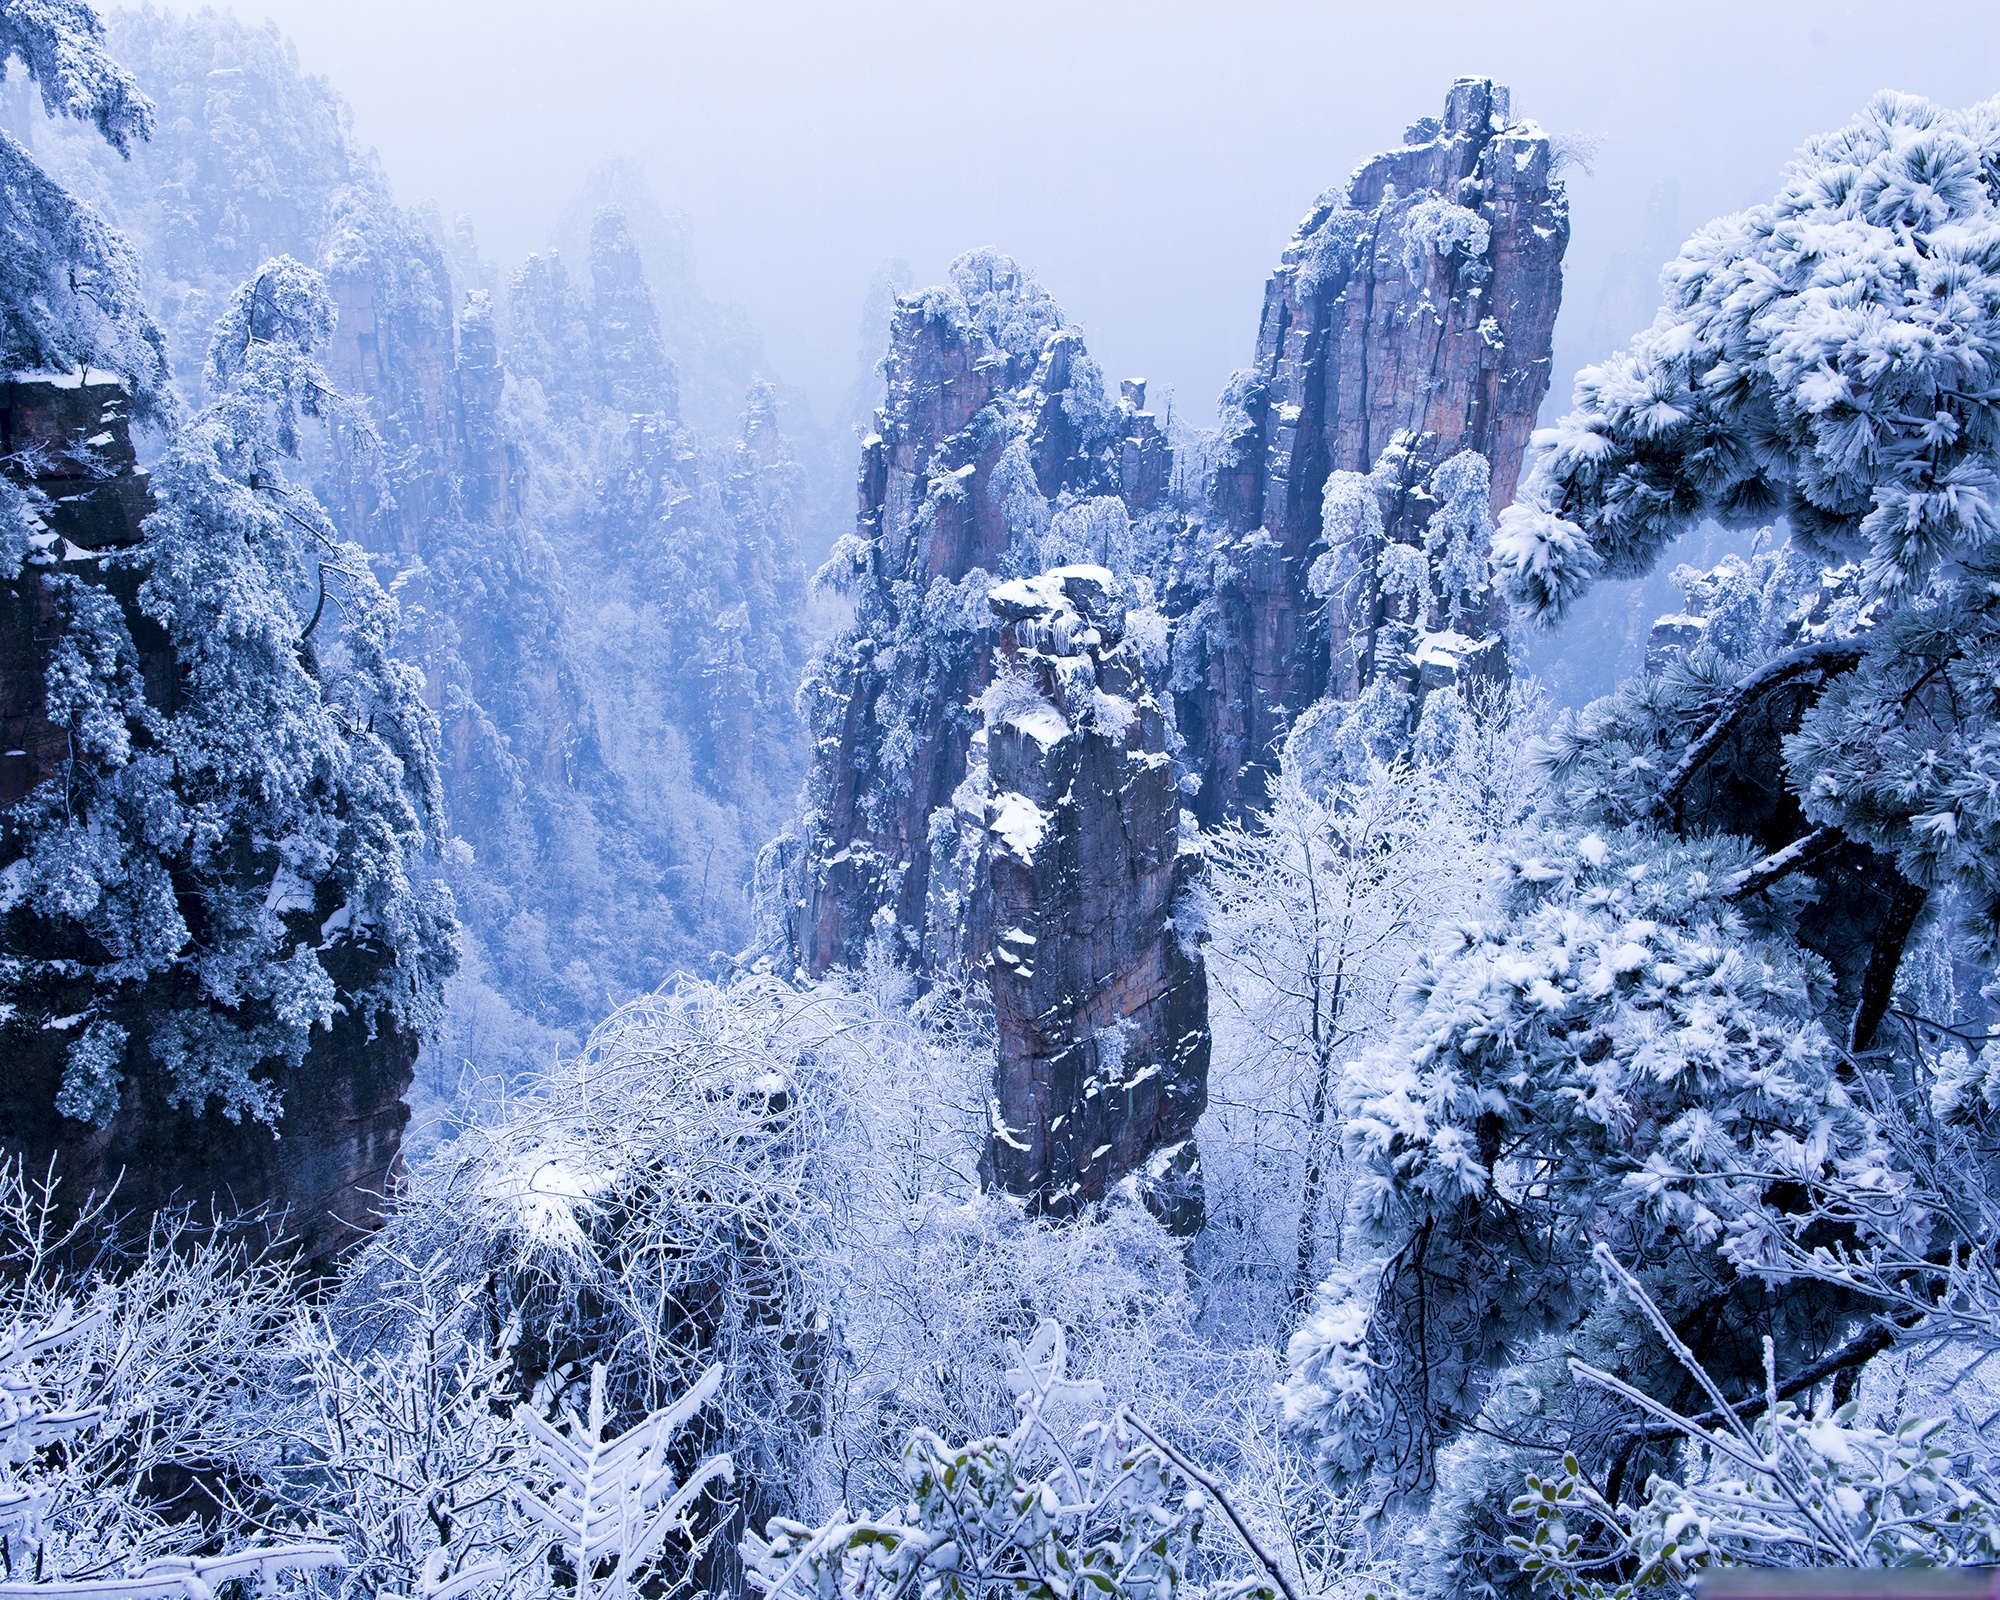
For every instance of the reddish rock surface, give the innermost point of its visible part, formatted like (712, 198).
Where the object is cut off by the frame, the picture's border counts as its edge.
(1417, 303)
(993, 409)
(1076, 861)
(995, 423)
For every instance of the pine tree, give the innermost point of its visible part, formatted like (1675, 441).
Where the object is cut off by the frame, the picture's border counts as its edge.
(1668, 1039)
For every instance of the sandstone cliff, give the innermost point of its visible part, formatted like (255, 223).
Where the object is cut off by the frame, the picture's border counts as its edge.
(1068, 843)
(1412, 310)
(1034, 847)
(995, 429)
(1020, 834)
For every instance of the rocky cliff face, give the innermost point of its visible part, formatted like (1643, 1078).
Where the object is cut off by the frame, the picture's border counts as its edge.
(979, 803)
(1022, 833)
(1068, 850)
(995, 428)
(323, 1171)
(1413, 311)
(71, 442)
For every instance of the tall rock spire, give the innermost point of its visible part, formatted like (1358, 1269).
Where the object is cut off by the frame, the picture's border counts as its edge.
(996, 454)
(1026, 833)
(638, 374)
(1413, 311)
(995, 422)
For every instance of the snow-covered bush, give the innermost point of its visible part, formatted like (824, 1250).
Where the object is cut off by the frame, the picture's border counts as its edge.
(1795, 1490)
(126, 1363)
(1620, 1055)
(1764, 1484)
(1037, 1512)
(400, 1446)
(41, 1383)
(659, 1204)
(614, 1500)
(1404, 575)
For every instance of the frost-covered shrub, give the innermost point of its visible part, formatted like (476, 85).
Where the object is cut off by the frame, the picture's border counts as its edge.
(1046, 1510)
(1404, 575)
(655, 1205)
(128, 1361)
(1435, 226)
(1766, 1484)
(398, 1442)
(1797, 1491)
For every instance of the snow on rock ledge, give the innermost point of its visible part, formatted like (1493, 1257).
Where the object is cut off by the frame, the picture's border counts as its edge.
(1070, 832)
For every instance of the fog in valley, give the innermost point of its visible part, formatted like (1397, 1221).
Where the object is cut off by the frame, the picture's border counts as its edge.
(1146, 162)
(1015, 802)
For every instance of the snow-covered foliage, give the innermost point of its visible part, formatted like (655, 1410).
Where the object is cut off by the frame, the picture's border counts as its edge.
(655, 1206)
(1702, 1030)
(70, 296)
(613, 1500)
(397, 1442)
(1404, 575)
(45, 1429)
(256, 180)
(1767, 1484)
(124, 1361)
(1799, 1490)
(1309, 917)
(1819, 358)
(1005, 303)
(1033, 1513)
(291, 792)
(1589, 1119)
(1621, 1055)
(1435, 225)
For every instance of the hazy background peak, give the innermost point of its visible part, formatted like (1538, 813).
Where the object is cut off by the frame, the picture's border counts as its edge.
(1147, 161)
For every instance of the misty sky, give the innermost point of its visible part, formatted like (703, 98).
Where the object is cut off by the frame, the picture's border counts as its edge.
(1146, 161)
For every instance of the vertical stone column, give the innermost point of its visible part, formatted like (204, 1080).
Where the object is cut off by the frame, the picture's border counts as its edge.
(1103, 1017)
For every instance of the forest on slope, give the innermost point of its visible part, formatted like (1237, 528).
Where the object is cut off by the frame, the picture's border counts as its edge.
(1093, 1027)
(586, 499)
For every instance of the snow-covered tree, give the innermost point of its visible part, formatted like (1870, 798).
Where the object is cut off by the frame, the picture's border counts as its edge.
(1409, 601)
(1310, 914)
(218, 846)
(1670, 1040)
(126, 1362)
(1041, 1512)
(70, 296)
(1822, 358)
